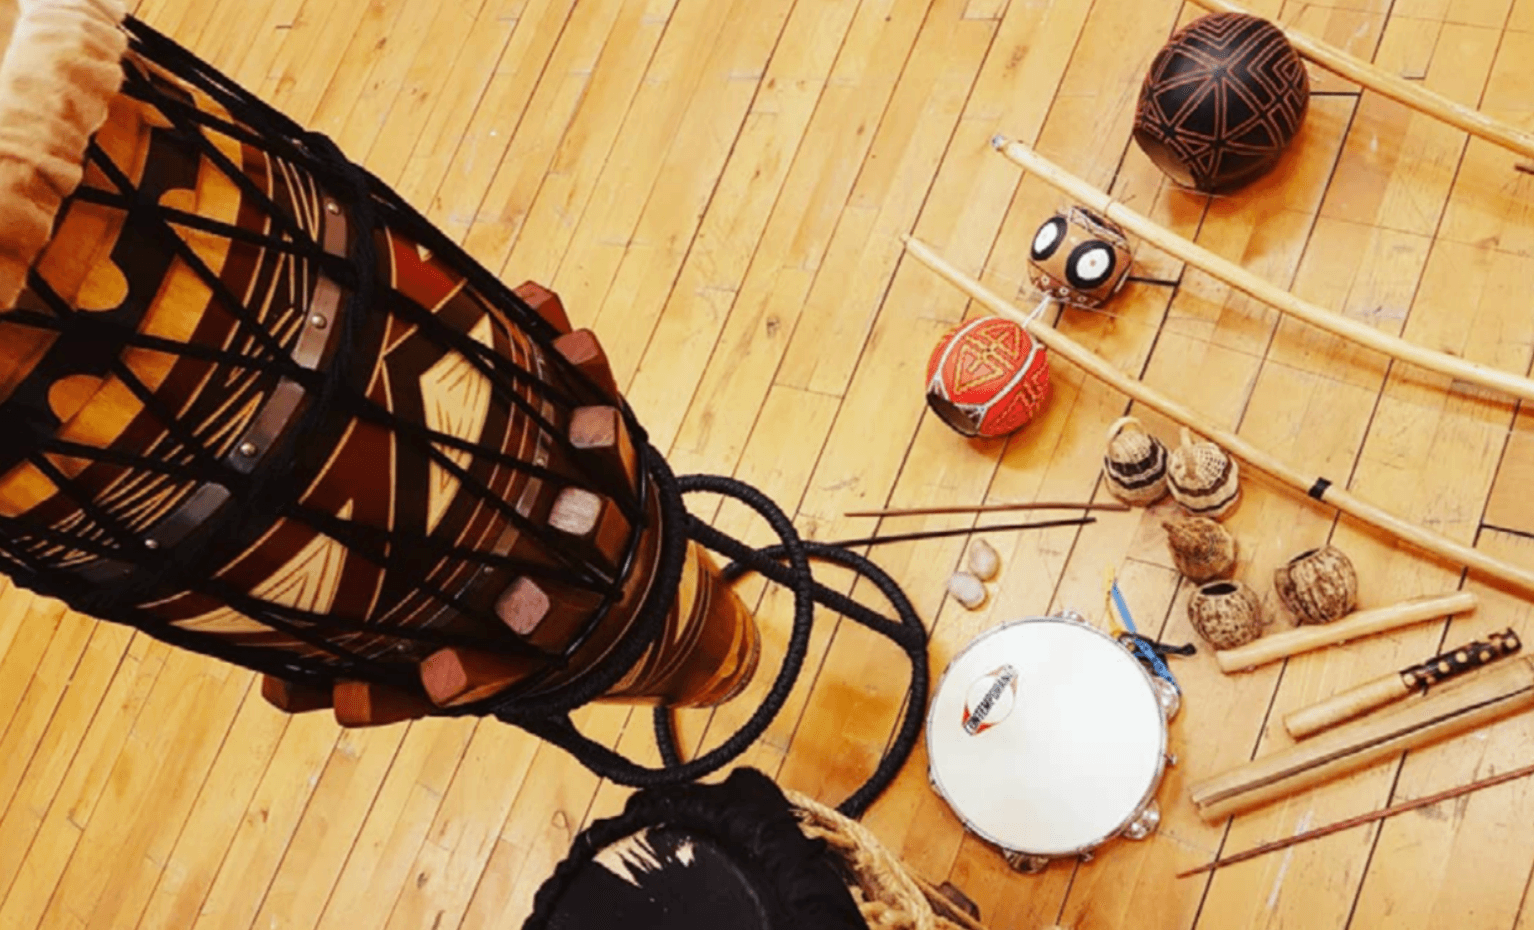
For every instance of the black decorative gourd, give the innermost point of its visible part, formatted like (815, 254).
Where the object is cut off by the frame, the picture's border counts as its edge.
(1222, 101)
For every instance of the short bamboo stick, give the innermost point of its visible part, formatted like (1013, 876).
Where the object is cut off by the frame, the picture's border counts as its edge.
(1354, 626)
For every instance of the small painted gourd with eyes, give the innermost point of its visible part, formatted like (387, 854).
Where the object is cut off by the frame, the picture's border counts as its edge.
(1079, 258)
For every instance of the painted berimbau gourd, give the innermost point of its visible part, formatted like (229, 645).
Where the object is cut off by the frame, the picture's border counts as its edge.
(1079, 258)
(987, 377)
(1222, 101)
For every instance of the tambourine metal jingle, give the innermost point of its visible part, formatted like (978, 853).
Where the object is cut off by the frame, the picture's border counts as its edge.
(1048, 738)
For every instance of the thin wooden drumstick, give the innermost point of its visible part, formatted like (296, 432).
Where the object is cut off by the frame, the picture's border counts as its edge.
(980, 508)
(1255, 287)
(1361, 819)
(1320, 489)
(961, 531)
(1402, 91)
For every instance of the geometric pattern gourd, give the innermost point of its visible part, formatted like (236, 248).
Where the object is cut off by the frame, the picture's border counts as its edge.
(987, 377)
(1221, 102)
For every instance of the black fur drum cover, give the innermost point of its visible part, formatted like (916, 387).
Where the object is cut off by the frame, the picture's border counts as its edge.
(1222, 101)
(699, 857)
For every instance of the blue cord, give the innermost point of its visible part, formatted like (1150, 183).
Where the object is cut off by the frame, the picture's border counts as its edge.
(1146, 652)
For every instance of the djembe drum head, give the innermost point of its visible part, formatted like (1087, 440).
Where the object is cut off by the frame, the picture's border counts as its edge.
(1046, 737)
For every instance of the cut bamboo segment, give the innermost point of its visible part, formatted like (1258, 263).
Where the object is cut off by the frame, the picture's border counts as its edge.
(1354, 702)
(1319, 488)
(1396, 686)
(1398, 89)
(1255, 287)
(1354, 626)
(1476, 701)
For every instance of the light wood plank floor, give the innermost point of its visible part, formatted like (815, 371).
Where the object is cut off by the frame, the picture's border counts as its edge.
(718, 187)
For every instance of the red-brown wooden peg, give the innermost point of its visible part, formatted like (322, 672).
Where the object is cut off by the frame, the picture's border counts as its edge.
(456, 675)
(601, 433)
(582, 350)
(594, 523)
(293, 698)
(368, 704)
(545, 303)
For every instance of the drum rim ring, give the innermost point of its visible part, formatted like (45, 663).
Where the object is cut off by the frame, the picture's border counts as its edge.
(1148, 798)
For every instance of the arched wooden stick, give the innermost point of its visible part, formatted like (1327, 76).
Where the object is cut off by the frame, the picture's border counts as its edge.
(1402, 91)
(1320, 489)
(1251, 285)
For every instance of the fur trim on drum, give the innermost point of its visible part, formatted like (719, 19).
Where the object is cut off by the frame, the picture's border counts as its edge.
(61, 67)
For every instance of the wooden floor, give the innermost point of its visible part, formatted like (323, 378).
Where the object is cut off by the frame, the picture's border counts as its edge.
(718, 187)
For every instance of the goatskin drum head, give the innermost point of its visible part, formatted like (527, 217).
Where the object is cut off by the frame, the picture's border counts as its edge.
(1045, 737)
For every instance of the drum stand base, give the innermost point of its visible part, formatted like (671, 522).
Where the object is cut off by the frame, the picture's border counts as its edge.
(788, 564)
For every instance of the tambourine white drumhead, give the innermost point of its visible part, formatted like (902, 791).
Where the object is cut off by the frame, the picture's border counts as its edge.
(1045, 736)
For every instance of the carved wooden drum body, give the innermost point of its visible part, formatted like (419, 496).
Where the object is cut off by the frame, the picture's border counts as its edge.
(212, 421)
(1048, 738)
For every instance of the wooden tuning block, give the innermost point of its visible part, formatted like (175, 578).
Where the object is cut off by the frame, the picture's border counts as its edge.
(601, 434)
(582, 350)
(594, 524)
(545, 303)
(545, 613)
(293, 698)
(456, 675)
(368, 704)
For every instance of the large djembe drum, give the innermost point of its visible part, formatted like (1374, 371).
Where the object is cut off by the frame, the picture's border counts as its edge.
(258, 407)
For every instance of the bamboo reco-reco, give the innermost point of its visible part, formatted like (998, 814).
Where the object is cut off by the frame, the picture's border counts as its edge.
(1253, 286)
(1475, 701)
(1398, 89)
(1322, 490)
(1354, 626)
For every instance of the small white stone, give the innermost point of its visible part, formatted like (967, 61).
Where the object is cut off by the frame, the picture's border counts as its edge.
(984, 563)
(967, 590)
